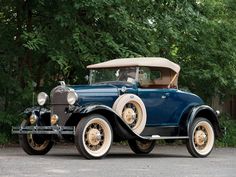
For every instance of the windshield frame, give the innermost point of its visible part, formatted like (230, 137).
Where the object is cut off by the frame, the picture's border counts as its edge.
(92, 70)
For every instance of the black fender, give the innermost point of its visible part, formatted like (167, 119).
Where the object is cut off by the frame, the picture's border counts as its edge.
(208, 113)
(120, 129)
(42, 113)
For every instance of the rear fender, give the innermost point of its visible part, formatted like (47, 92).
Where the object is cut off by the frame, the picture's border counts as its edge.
(206, 112)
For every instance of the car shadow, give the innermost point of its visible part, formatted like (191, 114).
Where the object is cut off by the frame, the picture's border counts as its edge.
(129, 155)
(75, 156)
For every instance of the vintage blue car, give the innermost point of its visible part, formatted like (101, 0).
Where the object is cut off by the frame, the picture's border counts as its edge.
(134, 99)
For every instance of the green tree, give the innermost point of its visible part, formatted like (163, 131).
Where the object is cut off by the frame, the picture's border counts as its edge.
(45, 41)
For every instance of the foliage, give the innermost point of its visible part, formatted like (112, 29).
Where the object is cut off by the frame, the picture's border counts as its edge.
(229, 134)
(6, 122)
(45, 41)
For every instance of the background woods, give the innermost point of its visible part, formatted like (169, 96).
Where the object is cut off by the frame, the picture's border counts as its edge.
(44, 41)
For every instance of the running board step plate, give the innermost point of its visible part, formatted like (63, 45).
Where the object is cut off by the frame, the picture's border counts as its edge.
(158, 137)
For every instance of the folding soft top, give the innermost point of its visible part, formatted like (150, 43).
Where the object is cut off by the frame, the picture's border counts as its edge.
(142, 61)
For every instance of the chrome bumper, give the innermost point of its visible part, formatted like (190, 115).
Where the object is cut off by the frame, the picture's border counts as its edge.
(52, 130)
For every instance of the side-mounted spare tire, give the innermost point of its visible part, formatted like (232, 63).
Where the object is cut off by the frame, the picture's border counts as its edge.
(132, 109)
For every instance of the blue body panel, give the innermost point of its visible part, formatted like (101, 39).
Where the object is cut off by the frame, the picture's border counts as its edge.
(105, 94)
(165, 107)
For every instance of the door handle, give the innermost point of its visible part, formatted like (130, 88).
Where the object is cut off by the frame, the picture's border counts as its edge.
(165, 95)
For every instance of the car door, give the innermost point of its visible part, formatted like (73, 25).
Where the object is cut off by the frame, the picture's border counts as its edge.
(161, 105)
(160, 100)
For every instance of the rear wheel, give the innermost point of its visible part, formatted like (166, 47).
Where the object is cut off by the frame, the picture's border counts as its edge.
(34, 144)
(141, 147)
(201, 138)
(93, 136)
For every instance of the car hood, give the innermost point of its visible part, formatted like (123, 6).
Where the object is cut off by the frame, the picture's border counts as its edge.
(105, 94)
(87, 90)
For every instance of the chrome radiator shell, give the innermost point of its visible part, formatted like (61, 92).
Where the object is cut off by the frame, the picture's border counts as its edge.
(58, 98)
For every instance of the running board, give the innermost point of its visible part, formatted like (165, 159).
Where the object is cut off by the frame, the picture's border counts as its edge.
(158, 137)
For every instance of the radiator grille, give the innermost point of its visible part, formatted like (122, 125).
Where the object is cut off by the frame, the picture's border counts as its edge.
(59, 103)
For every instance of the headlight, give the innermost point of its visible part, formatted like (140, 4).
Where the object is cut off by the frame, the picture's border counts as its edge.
(72, 97)
(33, 119)
(42, 98)
(54, 119)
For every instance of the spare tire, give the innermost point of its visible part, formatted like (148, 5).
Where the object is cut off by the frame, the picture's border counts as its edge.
(132, 110)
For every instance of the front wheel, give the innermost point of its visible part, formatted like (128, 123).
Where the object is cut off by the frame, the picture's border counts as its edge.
(34, 144)
(201, 138)
(141, 147)
(93, 136)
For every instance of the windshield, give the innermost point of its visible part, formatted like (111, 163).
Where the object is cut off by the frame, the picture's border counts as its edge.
(113, 74)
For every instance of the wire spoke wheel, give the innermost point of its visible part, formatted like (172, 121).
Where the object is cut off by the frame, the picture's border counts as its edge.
(93, 136)
(132, 114)
(34, 144)
(202, 137)
(141, 147)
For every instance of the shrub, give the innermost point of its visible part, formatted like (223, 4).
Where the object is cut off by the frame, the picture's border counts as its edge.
(229, 134)
(6, 122)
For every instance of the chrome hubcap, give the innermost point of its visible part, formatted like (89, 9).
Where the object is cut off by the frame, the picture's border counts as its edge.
(200, 137)
(94, 136)
(129, 115)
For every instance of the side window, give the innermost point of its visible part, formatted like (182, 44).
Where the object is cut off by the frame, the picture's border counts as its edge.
(126, 74)
(145, 77)
(154, 77)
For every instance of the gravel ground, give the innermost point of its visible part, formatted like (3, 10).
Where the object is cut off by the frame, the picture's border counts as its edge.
(64, 160)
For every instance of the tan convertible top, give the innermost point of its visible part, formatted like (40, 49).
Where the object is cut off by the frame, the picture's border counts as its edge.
(142, 61)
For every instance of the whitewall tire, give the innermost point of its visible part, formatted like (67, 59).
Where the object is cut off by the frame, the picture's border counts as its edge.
(93, 136)
(201, 138)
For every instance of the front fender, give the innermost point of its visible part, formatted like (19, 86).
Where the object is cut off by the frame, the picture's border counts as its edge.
(206, 112)
(120, 128)
(41, 112)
